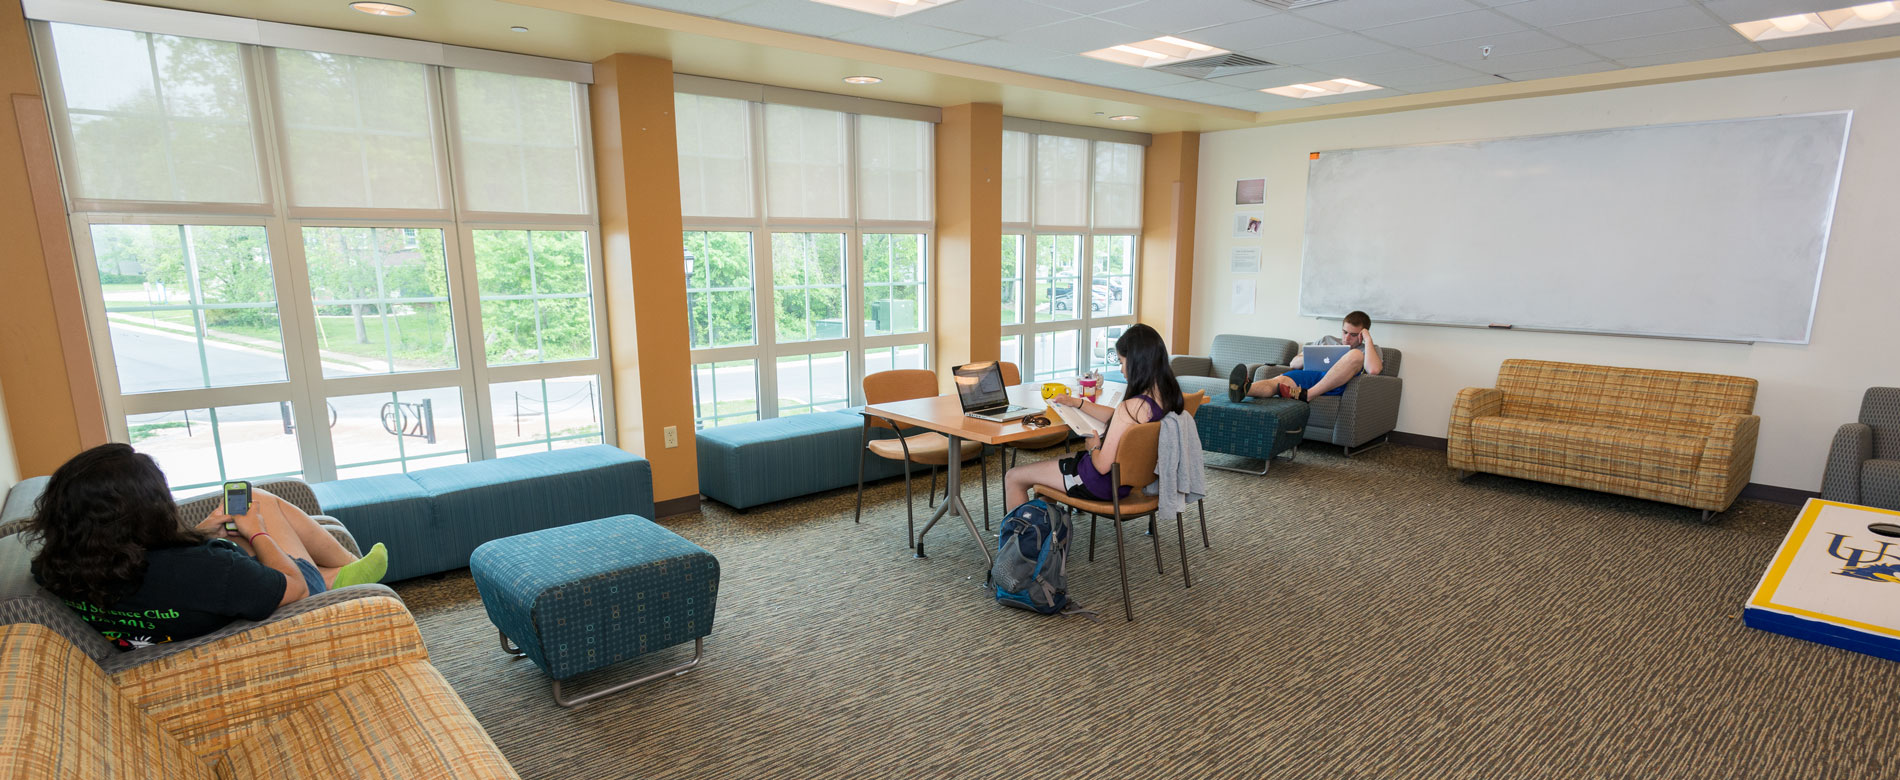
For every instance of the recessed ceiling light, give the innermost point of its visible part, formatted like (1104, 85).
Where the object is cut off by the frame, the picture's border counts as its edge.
(384, 9)
(517, 28)
(1794, 25)
(1165, 50)
(1321, 88)
(1123, 118)
(888, 8)
(862, 79)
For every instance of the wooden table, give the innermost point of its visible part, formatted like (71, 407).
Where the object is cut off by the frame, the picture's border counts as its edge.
(944, 414)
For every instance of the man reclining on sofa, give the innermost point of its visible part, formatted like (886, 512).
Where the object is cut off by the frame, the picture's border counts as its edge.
(1301, 383)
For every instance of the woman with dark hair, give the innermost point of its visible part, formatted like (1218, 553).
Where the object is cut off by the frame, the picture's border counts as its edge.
(1152, 394)
(112, 546)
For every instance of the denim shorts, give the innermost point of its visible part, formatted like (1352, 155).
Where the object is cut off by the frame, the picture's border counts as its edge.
(312, 578)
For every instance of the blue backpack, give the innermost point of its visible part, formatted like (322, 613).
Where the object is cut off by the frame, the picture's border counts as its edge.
(1031, 568)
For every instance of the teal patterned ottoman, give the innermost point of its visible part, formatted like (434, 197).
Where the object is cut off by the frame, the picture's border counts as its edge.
(1255, 428)
(580, 597)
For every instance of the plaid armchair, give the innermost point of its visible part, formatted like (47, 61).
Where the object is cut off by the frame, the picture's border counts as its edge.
(1369, 409)
(1863, 465)
(1670, 436)
(1209, 372)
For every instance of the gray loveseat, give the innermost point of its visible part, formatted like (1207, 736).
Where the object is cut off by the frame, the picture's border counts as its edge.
(1369, 409)
(1863, 465)
(1209, 372)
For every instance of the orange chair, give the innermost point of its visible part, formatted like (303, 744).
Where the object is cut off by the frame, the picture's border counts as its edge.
(1190, 404)
(1134, 469)
(929, 449)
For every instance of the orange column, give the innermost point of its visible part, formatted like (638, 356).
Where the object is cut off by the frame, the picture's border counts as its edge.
(1169, 179)
(34, 371)
(969, 236)
(636, 161)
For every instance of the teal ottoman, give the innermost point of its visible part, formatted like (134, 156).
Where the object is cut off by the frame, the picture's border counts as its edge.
(581, 597)
(1260, 428)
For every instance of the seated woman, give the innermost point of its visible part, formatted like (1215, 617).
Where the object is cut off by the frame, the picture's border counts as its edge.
(1152, 394)
(113, 547)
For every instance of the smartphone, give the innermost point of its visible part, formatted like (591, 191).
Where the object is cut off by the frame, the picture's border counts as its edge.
(237, 501)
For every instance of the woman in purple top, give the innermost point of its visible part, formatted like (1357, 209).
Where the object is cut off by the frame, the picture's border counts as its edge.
(1152, 394)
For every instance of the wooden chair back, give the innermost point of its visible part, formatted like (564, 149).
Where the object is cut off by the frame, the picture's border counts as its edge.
(1137, 454)
(1012, 375)
(1192, 402)
(901, 384)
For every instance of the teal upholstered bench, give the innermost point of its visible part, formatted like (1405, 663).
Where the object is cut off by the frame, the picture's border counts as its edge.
(585, 596)
(749, 464)
(1261, 428)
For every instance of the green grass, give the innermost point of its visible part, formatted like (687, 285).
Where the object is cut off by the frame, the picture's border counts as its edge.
(146, 431)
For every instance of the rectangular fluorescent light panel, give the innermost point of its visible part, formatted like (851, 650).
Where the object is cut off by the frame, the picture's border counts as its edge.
(1795, 25)
(886, 8)
(1321, 88)
(1165, 50)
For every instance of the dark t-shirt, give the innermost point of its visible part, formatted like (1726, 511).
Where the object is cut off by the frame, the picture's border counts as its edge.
(188, 592)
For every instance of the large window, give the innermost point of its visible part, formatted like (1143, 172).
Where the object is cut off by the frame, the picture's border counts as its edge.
(807, 253)
(1071, 215)
(320, 265)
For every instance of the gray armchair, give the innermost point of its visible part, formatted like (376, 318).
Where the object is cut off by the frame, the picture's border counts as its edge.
(1209, 372)
(1863, 465)
(1369, 409)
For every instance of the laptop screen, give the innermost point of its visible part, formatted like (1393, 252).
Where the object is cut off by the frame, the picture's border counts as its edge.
(980, 386)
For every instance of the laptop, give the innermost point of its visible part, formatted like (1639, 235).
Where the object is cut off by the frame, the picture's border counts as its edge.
(1323, 358)
(980, 388)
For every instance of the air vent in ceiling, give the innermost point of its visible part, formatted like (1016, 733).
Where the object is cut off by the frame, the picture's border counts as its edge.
(1216, 66)
(1291, 4)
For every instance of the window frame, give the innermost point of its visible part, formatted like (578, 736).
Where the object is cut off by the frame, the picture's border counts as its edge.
(1086, 321)
(766, 350)
(305, 387)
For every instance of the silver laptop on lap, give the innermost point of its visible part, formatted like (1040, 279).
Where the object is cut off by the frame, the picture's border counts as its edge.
(980, 389)
(1323, 358)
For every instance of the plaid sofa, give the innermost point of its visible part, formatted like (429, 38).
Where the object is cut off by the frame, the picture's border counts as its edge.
(1671, 436)
(344, 690)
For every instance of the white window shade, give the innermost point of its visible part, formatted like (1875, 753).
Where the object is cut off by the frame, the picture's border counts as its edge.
(805, 163)
(357, 132)
(519, 141)
(715, 147)
(1117, 185)
(894, 169)
(1015, 177)
(1062, 171)
(155, 117)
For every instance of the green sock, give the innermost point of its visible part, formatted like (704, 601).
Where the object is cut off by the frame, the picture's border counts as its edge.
(369, 568)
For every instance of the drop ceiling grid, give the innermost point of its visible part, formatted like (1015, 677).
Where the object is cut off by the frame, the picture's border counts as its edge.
(1406, 46)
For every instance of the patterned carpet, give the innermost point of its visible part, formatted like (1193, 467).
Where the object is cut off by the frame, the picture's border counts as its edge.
(1369, 617)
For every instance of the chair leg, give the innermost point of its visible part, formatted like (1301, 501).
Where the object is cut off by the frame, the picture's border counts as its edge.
(1180, 535)
(933, 488)
(910, 508)
(983, 461)
(1155, 536)
(864, 441)
(1091, 537)
(1202, 505)
(1121, 560)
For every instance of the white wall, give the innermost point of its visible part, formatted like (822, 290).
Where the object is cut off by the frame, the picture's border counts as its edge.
(1806, 390)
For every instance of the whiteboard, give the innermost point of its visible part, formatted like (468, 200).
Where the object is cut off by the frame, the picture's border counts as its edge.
(1709, 230)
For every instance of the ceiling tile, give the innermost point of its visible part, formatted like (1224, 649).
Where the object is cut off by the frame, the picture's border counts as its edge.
(986, 17)
(1331, 47)
(1704, 38)
(1141, 79)
(1257, 101)
(1617, 28)
(1553, 58)
(1350, 97)
(1501, 46)
(1264, 31)
(1443, 29)
(1550, 13)
(1691, 55)
(1074, 68)
(1359, 67)
(1751, 10)
(1195, 90)
(1087, 6)
(1411, 78)
(996, 54)
(1479, 81)
(1361, 15)
(1078, 35)
(1175, 16)
(1277, 77)
(898, 35)
(1844, 36)
(700, 7)
(1559, 72)
(801, 16)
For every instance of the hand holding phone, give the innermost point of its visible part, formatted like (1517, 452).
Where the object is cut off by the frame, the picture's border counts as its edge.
(237, 501)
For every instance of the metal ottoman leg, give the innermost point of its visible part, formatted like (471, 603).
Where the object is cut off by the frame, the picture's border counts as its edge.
(699, 648)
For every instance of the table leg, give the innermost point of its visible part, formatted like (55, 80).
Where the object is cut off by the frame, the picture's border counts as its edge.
(953, 505)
